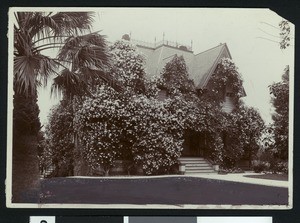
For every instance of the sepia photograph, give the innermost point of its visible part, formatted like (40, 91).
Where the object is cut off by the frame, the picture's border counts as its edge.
(178, 108)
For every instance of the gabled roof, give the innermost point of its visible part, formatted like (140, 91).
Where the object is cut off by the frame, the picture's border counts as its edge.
(200, 66)
(205, 63)
(156, 58)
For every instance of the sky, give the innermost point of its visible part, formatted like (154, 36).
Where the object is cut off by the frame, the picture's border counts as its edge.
(250, 34)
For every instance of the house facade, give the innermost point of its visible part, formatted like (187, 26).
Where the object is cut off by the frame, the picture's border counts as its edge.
(201, 67)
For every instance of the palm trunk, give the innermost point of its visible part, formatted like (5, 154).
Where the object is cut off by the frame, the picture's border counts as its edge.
(25, 162)
(25, 172)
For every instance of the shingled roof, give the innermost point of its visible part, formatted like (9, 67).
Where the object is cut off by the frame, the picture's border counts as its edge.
(200, 66)
(205, 63)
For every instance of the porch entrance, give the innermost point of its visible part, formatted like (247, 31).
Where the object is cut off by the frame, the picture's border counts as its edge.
(194, 144)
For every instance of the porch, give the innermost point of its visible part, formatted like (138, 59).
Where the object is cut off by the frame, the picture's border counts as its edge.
(193, 159)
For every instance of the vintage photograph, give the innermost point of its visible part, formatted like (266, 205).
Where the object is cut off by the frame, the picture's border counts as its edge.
(150, 108)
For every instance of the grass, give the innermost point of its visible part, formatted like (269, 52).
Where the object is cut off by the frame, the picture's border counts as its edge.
(167, 190)
(269, 176)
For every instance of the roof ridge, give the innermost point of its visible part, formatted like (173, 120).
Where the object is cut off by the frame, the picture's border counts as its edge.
(222, 44)
(213, 67)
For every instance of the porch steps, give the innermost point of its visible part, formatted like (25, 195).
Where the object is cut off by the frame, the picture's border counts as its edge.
(196, 165)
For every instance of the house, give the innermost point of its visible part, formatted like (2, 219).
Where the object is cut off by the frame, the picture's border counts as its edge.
(200, 66)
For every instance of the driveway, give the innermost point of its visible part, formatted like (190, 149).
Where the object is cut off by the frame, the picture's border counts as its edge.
(172, 190)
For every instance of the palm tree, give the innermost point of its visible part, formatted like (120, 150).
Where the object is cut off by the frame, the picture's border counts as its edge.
(81, 60)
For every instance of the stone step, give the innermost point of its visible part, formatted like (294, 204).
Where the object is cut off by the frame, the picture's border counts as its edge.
(199, 171)
(198, 168)
(190, 158)
(198, 165)
(192, 161)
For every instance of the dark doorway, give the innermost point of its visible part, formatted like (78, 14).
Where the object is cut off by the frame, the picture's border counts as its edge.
(194, 144)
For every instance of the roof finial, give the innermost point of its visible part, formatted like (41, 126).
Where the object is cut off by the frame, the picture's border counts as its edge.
(191, 44)
(163, 37)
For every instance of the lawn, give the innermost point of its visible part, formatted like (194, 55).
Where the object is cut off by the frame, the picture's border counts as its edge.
(280, 177)
(168, 190)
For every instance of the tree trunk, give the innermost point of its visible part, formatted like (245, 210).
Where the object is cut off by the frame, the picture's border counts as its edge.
(80, 166)
(25, 162)
(25, 170)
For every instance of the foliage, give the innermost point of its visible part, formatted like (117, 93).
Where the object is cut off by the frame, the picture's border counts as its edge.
(280, 167)
(142, 129)
(136, 126)
(232, 150)
(250, 126)
(209, 122)
(85, 61)
(131, 125)
(202, 112)
(98, 127)
(128, 66)
(280, 101)
(159, 134)
(200, 115)
(261, 167)
(230, 170)
(81, 59)
(285, 35)
(175, 77)
(58, 143)
(35, 32)
(225, 77)
(242, 132)
(274, 166)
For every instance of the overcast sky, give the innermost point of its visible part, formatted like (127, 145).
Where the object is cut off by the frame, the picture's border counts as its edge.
(261, 62)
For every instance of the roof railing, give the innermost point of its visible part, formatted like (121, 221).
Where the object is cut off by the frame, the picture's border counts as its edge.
(160, 43)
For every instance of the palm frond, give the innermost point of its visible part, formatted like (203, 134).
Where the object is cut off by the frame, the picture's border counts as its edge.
(25, 73)
(29, 70)
(37, 31)
(48, 66)
(86, 50)
(73, 23)
(68, 84)
(41, 25)
(23, 44)
(92, 77)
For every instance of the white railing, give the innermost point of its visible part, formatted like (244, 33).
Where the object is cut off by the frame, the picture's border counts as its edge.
(160, 43)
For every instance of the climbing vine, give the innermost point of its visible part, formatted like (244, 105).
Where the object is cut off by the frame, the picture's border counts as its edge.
(225, 78)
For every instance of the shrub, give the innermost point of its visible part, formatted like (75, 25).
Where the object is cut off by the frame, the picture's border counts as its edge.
(158, 134)
(230, 170)
(280, 167)
(260, 167)
(157, 152)
(97, 125)
(57, 145)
